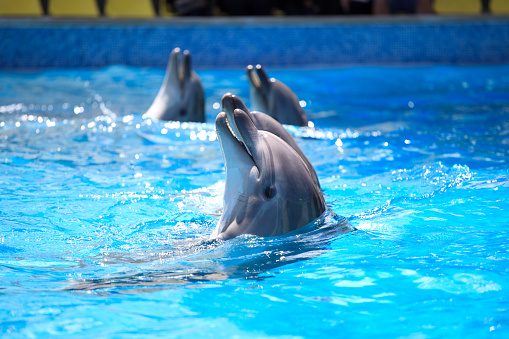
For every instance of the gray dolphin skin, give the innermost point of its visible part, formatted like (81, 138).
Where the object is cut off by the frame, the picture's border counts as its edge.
(274, 98)
(269, 190)
(181, 97)
(264, 122)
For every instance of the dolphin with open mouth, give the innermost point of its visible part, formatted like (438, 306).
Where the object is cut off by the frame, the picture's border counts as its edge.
(274, 98)
(181, 97)
(269, 189)
(264, 122)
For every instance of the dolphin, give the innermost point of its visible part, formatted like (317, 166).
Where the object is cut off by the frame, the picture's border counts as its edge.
(264, 122)
(181, 96)
(269, 190)
(274, 98)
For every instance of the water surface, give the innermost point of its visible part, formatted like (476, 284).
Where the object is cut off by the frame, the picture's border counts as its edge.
(105, 215)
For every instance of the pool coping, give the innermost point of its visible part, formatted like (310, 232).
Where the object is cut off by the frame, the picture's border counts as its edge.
(259, 20)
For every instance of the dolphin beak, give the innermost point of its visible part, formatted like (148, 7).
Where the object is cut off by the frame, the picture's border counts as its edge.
(186, 67)
(172, 72)
(248, 133)
(228, 106)
(228, 133)
(259, 86)
(178, 74)
(230, 103)
(263, 79)
(252, 77)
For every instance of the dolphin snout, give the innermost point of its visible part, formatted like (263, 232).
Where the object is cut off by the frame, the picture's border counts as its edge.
(227, 102)
(230, 102)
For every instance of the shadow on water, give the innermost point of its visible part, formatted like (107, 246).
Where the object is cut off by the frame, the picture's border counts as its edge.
(185, 263)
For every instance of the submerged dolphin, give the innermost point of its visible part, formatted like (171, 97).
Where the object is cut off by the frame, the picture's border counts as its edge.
(264, 122)
(181, 96)
(269, 190)
(274, 98)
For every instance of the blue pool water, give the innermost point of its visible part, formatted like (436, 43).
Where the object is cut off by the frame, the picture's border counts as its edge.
(104, 215)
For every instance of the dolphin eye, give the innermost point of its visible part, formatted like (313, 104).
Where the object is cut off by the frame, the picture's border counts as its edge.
(182, 112)
(270, 192)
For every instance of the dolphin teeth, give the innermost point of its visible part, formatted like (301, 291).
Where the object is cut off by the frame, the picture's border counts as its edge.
(231, 130)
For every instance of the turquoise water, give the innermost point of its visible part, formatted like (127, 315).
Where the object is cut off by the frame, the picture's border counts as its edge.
(104, 215)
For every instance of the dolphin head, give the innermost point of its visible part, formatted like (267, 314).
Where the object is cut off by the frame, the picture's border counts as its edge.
(269, 190)
(181, 96)
(264, 122)
(274, 98)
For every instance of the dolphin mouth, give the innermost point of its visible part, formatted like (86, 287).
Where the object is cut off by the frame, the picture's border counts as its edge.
(230, 104)
(254, 78)
(240, 139)
(259, 85)
(233, 133)
(180, 70)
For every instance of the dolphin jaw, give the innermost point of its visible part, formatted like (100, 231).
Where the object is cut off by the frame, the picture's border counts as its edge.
(255, 79)
(229, 106)
(258, 92)
(239, 139)
(177, 70)
(232, 139)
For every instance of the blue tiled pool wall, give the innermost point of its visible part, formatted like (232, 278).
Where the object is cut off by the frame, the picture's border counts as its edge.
(43, 44)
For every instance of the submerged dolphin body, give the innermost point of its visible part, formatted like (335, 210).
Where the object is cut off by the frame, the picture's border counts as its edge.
(264, 122)
(181, 97)
(269, 190)
(274, 98)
